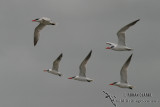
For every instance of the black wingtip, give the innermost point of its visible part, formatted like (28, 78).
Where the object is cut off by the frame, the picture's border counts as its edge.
(91, 51)
(89, 55)
(34, 44)
(136, 21)
(130, 56)
(59, 75)
(53, 23)
(60, 56)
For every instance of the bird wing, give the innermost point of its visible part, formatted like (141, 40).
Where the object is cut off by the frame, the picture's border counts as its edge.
(56, 62)
(82, 67)
(36, 32)
(121, 33)
(123, 72)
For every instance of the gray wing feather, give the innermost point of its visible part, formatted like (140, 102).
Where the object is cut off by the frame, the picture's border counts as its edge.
(36, 32)
(121, 33)
(56, 62)
(82, 65)
(123, 72)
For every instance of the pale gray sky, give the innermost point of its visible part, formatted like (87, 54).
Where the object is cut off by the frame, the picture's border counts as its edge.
(82, 25)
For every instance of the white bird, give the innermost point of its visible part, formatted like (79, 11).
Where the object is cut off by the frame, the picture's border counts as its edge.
(55, 67)
(82, 68)
(43, 22)
(121, 46)
(123, 74)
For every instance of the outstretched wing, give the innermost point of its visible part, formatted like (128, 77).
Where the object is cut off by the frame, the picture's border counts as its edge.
(123, 72)
(36, 32)
(82, 66)
(56, 62)
(121, 33)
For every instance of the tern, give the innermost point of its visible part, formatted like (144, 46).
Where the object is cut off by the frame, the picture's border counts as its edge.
(121, 46)
(123, 75)
(43, 22)
(82, 68)
(55, 67)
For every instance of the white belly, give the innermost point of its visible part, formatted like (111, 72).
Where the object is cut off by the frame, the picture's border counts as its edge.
(84, 79)
(121, 48)
(54, 72)
(123, 85)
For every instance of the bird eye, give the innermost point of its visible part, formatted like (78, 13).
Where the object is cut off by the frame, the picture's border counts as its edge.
(36, 19)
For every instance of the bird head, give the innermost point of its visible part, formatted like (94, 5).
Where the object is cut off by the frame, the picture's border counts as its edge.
(36, 20)
(111, 45)
(47, 70)
(113, 83)
(72, 77)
